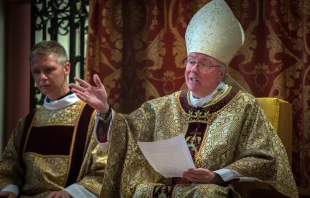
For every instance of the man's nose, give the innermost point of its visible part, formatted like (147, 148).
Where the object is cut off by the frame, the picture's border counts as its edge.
(195, 67)
(43, 76)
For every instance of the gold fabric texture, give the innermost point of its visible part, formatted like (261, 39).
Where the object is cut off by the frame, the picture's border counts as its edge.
(189, 191)
(39, 174)
(237, 136)
(215, 31)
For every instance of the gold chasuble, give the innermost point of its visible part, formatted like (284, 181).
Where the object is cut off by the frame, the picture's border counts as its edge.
(52, 149)
(231, 132)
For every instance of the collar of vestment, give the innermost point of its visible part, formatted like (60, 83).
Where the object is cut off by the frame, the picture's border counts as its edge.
(69, 93)
(216, 94)
(207, 112)
(61, 103)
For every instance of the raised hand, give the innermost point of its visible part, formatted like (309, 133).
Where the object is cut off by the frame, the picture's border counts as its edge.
(95, 96)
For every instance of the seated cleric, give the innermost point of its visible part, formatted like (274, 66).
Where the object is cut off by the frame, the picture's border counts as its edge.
(52, 151)
(229, 136)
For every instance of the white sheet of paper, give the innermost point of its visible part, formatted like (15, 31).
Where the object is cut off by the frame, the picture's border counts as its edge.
(169, 157)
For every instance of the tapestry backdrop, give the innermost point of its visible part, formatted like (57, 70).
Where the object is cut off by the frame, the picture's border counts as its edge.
(137, 48)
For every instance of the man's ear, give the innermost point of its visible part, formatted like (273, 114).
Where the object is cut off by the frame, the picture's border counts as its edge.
(223, 73)
(67, 68)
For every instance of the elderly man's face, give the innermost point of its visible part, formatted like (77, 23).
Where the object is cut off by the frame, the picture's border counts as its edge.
(200, 81)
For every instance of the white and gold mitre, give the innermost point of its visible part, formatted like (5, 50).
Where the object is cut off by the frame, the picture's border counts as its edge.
(214, 31)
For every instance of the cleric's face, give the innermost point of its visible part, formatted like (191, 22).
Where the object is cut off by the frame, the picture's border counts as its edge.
(202, 80)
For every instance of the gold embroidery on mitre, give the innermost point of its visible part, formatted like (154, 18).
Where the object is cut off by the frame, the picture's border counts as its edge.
(214, 31)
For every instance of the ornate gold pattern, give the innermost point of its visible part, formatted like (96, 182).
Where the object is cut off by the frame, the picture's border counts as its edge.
(198, 115)
(47, 172)
(239, 138)
(214, 31)
(192, 140)
(66, 116)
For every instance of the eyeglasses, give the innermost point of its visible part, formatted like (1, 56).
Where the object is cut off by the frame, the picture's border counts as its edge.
(204, 66)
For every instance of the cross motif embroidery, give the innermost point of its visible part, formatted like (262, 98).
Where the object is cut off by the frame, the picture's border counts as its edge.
(198, 115)
(194, 140)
